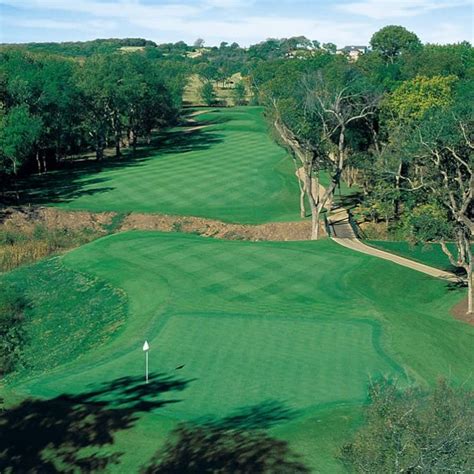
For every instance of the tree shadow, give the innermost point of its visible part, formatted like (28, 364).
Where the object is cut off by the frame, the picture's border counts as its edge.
(237, 443)
(261, 416)
(459, 284)
(48, 435)
(69, 182)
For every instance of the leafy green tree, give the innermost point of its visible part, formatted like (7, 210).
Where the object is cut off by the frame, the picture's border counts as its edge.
(199, 43)
(19, 133)
(439, 60)
(444, 144)
(207, 71)
(240, 93)
(330, 47)
(392, 40)
(414, 431)
(415, 97)
(207, 93)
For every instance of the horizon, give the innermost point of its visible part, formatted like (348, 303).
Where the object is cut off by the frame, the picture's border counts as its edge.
(243, 21)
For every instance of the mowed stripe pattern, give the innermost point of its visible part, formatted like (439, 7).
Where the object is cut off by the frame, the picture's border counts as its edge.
(306, 323)
(230, 170)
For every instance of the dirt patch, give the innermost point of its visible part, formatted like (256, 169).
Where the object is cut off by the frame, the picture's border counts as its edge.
(278, 231)
(459, 312)
(26, 218)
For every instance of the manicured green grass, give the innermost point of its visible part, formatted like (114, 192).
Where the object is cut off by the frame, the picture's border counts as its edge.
(429, 254)
(303, 324)
(231, 170)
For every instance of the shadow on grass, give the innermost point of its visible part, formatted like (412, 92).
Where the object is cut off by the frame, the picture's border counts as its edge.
(237, 443)
(69, 181)
(48, 435)
(262, 416)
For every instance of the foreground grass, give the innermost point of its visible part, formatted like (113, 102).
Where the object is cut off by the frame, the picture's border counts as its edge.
(303, 326)
(230, 171)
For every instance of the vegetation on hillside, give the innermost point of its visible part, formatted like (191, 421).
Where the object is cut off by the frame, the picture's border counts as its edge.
(414, 430)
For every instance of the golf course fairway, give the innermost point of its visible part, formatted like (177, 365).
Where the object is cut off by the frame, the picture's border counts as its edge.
(225, 167)
(303, 326)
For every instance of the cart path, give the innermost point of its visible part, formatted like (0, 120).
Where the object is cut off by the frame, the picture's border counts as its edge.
(343, 234)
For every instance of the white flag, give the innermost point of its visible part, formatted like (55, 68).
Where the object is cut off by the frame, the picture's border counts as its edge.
(146, 347)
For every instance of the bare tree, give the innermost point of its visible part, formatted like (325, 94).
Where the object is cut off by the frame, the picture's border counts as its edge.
(446, 146)
(336, 107)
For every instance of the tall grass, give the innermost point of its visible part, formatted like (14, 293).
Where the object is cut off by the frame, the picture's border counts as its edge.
(23, 246)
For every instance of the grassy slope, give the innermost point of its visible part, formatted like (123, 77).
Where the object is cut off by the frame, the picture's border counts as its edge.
(231, 171)
(67, 315)
(251, 323)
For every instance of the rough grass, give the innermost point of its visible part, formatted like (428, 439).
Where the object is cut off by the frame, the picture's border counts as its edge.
(68, 314)
(429, 254)
(23, 246)
(230, 171)
(303, 324)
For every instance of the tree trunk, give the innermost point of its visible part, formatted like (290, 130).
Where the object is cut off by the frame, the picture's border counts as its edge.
(308, 186)
(469, 292)
(469, 279)
(99, 148)
(38, 162)
(302, 191)
(396, 204)
(117, 143)
(463, 260)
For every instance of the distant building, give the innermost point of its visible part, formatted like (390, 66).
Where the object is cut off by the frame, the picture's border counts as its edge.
(353, 52)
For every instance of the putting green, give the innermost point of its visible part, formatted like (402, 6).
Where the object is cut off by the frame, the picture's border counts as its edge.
(229, 170)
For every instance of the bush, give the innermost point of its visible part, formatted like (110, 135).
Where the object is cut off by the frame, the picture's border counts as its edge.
(414, 431)
(12, 334)
(208, 94)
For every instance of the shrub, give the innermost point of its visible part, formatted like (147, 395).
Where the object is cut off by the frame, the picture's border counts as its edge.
(12, 334)
(414, 431)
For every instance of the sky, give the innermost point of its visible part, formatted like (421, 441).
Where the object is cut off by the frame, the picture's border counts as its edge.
(247, 22)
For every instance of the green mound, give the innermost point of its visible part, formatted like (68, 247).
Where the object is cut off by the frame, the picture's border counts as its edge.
(230, 170)
(67, 315)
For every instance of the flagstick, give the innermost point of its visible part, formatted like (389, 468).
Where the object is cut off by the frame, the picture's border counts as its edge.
(146, 365)
(146, 348)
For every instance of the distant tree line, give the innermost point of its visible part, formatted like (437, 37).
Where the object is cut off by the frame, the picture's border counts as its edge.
(52, 106)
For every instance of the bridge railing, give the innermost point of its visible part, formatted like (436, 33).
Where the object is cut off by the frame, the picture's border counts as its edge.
(327, 225)
(359, 233)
